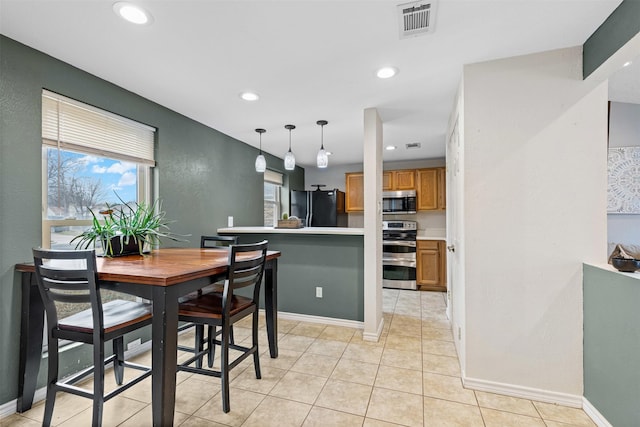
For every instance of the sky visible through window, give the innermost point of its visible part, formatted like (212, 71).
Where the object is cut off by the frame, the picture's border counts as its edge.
(79, 182)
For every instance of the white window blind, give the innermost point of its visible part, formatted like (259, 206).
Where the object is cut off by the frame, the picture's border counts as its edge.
(272, 177)
(70, 124)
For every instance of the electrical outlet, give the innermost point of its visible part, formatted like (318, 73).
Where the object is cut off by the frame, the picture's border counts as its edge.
(318, 291)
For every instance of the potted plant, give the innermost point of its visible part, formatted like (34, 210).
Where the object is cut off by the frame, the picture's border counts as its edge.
(126, 228)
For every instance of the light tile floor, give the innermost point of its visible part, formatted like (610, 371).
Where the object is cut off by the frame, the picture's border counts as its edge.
(329, 376)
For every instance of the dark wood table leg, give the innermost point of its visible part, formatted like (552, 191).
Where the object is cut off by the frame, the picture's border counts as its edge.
(164, 336)
(271, 304)
(32, 324)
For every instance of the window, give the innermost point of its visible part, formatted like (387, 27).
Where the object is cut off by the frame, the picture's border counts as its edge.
(90, 158)
(272, 188)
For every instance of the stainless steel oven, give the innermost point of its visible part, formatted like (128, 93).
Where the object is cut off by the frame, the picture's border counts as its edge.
(399, 254)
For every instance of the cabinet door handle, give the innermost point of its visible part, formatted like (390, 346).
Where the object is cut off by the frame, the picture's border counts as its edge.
(451, 248)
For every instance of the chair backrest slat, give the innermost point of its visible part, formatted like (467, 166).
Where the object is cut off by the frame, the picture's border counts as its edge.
(68, 277)
(246, 267)
(217, 241)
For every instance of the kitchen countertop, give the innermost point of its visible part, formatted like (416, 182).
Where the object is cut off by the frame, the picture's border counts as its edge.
(432, 234)
(345, 231)
(611, 268)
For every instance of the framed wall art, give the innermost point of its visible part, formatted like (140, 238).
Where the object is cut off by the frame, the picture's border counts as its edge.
(623, 195)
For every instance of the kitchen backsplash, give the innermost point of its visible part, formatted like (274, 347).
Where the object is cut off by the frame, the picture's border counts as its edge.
(429, 223)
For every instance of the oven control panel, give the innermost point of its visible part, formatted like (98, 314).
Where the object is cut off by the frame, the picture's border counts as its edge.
(400, 225)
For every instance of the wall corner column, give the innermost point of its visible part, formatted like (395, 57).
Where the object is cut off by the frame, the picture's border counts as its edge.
(372, 160)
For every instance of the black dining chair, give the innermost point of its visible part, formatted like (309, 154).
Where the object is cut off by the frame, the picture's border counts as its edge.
(207, 242)
(71, 278)
(217, 241)
(222, 309)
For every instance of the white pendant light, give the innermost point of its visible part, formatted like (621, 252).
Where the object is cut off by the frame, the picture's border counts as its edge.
(261, 163)
(322, 159)
(289, 158)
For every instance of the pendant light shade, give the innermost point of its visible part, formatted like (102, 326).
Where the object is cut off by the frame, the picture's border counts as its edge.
(289, 158)
(261, 163)
(322, 159)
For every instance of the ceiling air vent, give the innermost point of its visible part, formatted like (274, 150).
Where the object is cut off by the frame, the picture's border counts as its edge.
(416, 18)
(412, 145)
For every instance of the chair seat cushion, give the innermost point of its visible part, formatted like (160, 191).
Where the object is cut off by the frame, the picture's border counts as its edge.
(116, 313)
(210, 305)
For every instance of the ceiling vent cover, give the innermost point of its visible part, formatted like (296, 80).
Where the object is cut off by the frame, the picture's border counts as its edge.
(416, 18)
(412, 145)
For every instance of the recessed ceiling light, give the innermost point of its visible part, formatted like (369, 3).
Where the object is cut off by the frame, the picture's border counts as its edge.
(390, 147)
(386, 72)
(249, 96)
(626, 64)
(132, 13)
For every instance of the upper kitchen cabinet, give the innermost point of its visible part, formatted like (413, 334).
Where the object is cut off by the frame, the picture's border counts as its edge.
(399, 180)
(427, 191)
(355, 192)
(387, 181)
(429, 184)
(442, 188)
(431, 189)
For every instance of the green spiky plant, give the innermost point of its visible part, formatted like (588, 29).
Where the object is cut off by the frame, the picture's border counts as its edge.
(140, 222)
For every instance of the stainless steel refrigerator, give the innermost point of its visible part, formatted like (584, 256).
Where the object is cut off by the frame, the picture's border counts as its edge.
(319, 208)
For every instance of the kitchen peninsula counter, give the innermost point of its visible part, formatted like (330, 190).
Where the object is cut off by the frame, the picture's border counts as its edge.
(330, 258)
(344, 231)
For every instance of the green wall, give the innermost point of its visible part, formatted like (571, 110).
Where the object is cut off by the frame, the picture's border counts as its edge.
(333, 262)
(620, 27)
(203, 175)
(612, 345)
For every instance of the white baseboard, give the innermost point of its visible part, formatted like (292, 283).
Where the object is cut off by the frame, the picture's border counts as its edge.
(594, 414)
(319, 319)
(10, 407)
(530, 393)
(375, 337)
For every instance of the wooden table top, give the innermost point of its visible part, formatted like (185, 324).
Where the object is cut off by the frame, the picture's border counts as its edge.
(163, 267)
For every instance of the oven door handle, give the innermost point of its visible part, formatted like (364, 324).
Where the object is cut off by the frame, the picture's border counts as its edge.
(399, 262)
(408, 243)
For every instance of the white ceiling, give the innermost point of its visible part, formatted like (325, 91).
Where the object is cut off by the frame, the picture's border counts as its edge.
(308, 60)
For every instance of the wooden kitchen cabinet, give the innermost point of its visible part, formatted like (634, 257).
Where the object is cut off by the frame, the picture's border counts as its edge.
(399, 180)
(442, 188)
(404, 180)
(354, 192)
(427, 189)
(431, 189)
(387, 181)
(431, 265)
(429, 185)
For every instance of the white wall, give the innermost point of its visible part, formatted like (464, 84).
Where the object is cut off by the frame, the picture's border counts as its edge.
(332, 176)
(624, 131)
(534, 211)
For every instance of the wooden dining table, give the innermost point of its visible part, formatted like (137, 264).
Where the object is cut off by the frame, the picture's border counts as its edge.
(162, 277)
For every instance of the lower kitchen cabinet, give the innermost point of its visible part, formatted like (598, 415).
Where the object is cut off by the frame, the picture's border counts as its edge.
(431, 271)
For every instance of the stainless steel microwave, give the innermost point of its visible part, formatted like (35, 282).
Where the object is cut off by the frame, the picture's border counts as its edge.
(399, 202)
